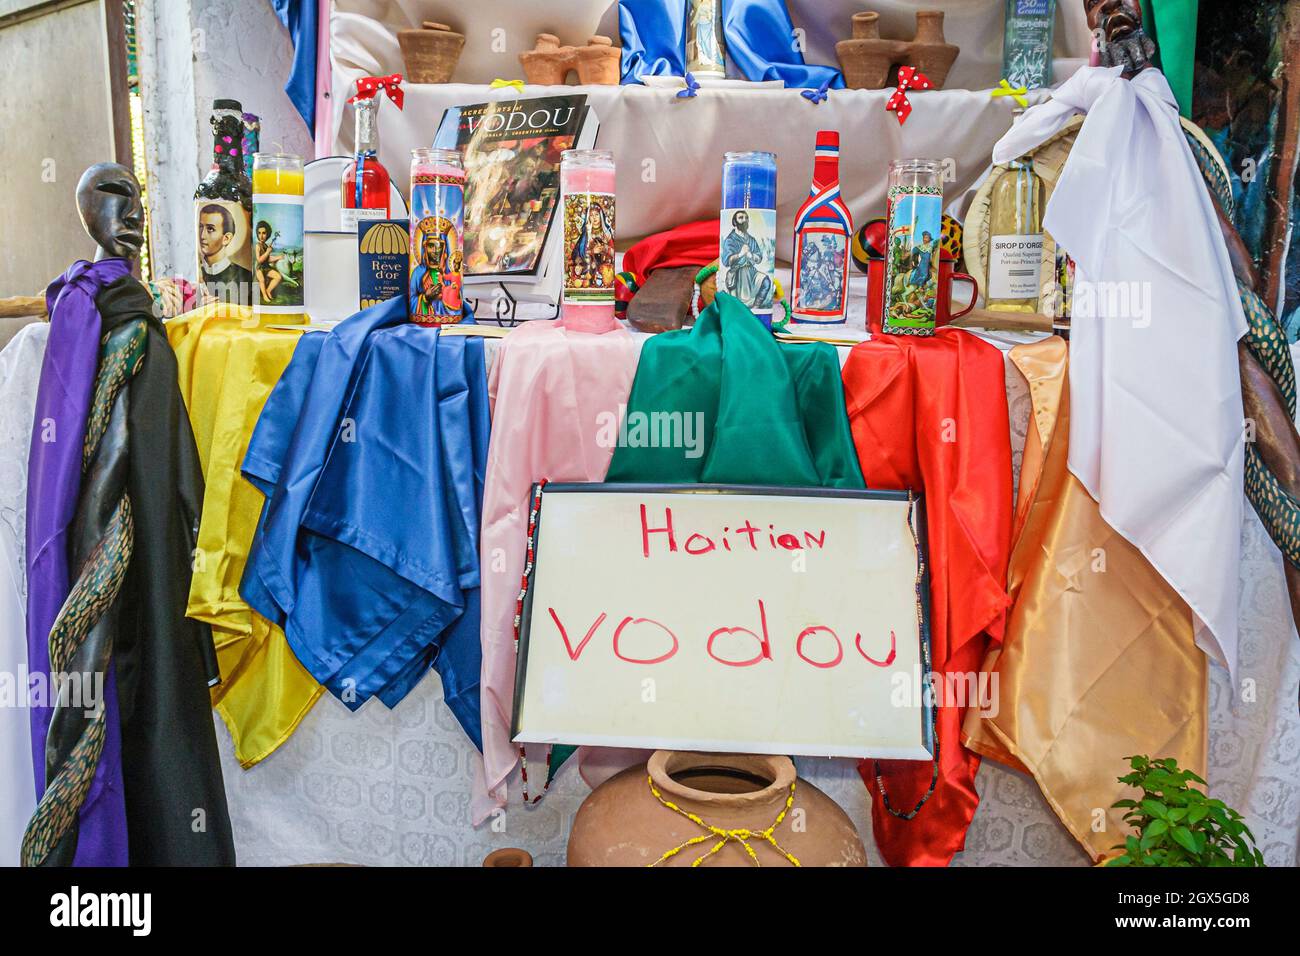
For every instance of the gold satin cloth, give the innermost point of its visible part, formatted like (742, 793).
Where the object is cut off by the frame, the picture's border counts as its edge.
(1098, 661)
(228, 364)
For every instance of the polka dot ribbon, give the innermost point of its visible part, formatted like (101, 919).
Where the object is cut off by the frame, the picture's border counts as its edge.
(909, 78)
(369, 86)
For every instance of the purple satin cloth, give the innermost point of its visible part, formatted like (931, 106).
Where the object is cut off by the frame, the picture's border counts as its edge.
(53, 484)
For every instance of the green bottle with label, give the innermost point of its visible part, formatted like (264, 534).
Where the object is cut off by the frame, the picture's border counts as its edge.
(1027, 43)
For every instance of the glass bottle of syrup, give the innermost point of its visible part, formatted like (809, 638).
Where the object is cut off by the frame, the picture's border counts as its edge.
(365, 185)
(1015, 248)
(223, 213)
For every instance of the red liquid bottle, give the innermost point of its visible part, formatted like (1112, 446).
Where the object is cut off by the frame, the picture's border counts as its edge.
(370, 201)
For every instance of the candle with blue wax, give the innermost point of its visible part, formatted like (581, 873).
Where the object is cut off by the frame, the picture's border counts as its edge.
(747, 231)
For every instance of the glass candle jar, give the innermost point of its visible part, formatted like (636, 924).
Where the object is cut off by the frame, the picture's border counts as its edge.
(915, 223)
(747, 231)
(587, 197)
(278, 261)
(437, 237)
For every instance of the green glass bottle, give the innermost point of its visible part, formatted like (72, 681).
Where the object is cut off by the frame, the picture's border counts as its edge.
(1027, 43)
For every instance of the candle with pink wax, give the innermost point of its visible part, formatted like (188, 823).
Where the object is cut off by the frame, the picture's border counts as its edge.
(587, 199)
(437, 214)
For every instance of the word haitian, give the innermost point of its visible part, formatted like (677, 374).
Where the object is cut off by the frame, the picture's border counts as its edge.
(746, 536)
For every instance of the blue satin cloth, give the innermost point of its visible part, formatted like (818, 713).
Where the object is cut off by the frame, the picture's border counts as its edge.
(372, 450)
(760, 42)
(653, 35)
(759, 37)
(300, 17)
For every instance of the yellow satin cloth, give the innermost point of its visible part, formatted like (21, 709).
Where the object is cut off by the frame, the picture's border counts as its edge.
(228, 365)
(1099, 660)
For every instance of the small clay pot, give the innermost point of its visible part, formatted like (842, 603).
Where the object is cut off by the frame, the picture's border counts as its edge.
(866, 59)
(547, 63)
(930, 53)
(870, 62)
(430, 53)
(508, 857)
(599, 62)
(623, 824)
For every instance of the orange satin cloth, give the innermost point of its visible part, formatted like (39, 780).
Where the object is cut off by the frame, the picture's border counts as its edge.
(1098, 661)
(931, 414)
(227, 368)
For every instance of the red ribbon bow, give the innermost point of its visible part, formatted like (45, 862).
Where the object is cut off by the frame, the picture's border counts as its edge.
(909, 78)
(369, 86)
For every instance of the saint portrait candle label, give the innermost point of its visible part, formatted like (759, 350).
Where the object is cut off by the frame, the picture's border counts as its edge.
(223, 209)
(822, 231)
(747, 231)
(435, 292)
(587, 188)
(278, 236)
(915, 221)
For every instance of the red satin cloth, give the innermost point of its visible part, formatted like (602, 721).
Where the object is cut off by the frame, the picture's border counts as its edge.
(691, 244)
(931, 414)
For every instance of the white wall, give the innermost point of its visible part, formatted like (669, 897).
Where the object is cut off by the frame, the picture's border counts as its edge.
(191, 52)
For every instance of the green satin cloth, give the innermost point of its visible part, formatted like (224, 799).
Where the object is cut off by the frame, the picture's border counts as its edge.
(1172, 24)
(763, 412)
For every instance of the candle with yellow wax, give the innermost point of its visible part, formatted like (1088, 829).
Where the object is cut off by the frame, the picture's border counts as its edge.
(278, 237)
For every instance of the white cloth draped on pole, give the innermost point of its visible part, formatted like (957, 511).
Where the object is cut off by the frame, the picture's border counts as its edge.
(1156, 430)
(20, 372)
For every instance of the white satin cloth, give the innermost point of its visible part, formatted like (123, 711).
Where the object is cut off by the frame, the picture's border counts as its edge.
(1156, 420)
(20, 372)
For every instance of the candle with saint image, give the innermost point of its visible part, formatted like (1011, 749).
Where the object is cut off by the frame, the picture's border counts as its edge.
(747, 231)
(587, 200)
(278, 260)
(437, 237)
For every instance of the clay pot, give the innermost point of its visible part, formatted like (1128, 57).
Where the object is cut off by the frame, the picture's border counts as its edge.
(547, 63)
(431, 52)
(623, 824)
(870, 63)
(510, 856)
(599, 62)
(866, 59)
(931, 54)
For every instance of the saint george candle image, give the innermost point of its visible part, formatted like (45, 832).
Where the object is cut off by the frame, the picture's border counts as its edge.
(278, 261)
(915, 220)
(747, 231)
(587, 190)
(437, 236)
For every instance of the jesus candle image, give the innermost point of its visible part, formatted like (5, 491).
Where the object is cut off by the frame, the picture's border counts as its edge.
(587, 190)
(747, 231)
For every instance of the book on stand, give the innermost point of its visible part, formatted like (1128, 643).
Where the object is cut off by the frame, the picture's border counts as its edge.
(511, 151)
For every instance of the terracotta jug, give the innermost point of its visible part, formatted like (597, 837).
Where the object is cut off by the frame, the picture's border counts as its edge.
(729, 804)
(599, 62)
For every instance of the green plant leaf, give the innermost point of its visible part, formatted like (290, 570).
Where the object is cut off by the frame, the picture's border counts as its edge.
(1185, 839)
(1155, 808)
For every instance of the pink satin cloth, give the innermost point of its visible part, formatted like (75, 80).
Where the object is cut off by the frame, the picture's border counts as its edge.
(552, 387)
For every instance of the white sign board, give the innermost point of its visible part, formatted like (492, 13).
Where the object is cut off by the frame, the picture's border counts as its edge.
(727, 618)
